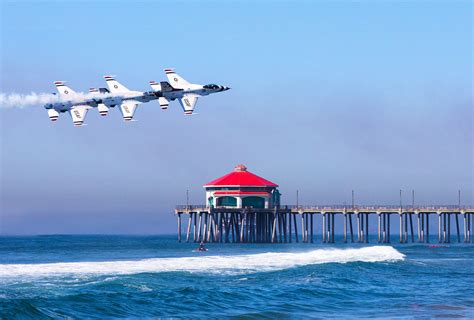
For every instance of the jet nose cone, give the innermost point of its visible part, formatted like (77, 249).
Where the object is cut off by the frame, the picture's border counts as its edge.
(226, 88)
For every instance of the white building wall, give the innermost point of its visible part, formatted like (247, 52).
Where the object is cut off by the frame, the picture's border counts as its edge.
(239, 202)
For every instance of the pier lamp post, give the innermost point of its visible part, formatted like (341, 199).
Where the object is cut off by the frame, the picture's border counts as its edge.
(459, 199)
(187, 199)
(297, 199)
(400, 198)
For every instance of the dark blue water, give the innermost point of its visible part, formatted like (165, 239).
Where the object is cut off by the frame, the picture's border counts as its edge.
(154, 276)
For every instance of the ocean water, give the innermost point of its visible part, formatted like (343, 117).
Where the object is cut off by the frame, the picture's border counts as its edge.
(156, 277)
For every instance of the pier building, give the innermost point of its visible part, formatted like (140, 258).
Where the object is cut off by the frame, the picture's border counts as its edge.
(242, 189)
(244, 207)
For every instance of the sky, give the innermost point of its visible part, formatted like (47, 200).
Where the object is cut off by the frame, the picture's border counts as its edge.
(327, 97)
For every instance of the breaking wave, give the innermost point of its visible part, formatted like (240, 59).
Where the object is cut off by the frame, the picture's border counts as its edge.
(228, 264)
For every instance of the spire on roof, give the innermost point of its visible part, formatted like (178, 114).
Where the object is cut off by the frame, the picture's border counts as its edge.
(240, 168)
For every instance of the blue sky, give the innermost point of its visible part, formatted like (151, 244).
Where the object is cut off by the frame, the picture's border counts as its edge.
(327, 96)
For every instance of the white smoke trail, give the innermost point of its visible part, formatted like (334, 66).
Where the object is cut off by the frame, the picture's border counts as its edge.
(17, 100)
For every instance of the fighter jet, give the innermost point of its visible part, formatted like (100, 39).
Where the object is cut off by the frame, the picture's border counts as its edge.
(77, 104)
(126, 98)
(186, 93)
(71, 102)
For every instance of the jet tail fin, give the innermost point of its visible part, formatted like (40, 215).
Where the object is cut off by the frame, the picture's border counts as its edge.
(166, 87)
(155, 85)
(164, 103)
(53, 115)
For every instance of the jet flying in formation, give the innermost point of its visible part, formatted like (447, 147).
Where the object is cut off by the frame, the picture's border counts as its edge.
(127, 100)
(186, 93)
(76, 104)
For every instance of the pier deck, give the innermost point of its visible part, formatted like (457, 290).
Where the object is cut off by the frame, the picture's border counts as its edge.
(280, 225)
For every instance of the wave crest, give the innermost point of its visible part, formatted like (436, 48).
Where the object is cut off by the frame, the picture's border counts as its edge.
(260, 262)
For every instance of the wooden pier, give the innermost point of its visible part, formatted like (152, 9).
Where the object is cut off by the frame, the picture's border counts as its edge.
(298, 223)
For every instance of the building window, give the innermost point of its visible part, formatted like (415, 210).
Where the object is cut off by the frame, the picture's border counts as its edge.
(227, 202)
(210, 201)
(254, 202)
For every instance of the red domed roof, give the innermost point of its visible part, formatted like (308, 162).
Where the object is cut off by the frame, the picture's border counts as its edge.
(241, 177)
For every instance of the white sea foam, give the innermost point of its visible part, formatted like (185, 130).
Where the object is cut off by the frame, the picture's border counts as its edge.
(229, 264)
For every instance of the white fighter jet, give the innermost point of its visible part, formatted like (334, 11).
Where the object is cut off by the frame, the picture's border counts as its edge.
(126, 98)
(186, 93)
(70, 101)
(77, 104)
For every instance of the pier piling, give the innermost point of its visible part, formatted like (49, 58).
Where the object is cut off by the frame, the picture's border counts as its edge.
(345, 225)
(427, 227)
(249, 225)
(179, 227)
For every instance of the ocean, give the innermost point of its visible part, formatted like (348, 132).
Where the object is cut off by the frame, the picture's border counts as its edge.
(103, 277)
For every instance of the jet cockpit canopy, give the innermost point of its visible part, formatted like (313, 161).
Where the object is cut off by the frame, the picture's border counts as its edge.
(211, 86)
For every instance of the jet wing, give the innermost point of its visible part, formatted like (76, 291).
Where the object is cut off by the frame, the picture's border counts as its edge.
(63, 90)
(78, 114)
(188, 102)
(128, 109)
(114, 85)
(176, 80)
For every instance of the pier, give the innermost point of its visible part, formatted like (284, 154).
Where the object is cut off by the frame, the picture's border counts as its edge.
(245, 208)
(285, 224)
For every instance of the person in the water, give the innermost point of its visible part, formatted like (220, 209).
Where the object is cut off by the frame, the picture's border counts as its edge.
(202, 247)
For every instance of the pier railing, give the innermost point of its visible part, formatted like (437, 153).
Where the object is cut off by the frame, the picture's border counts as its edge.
(325, 207)
(230, 224)
(376, 207)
